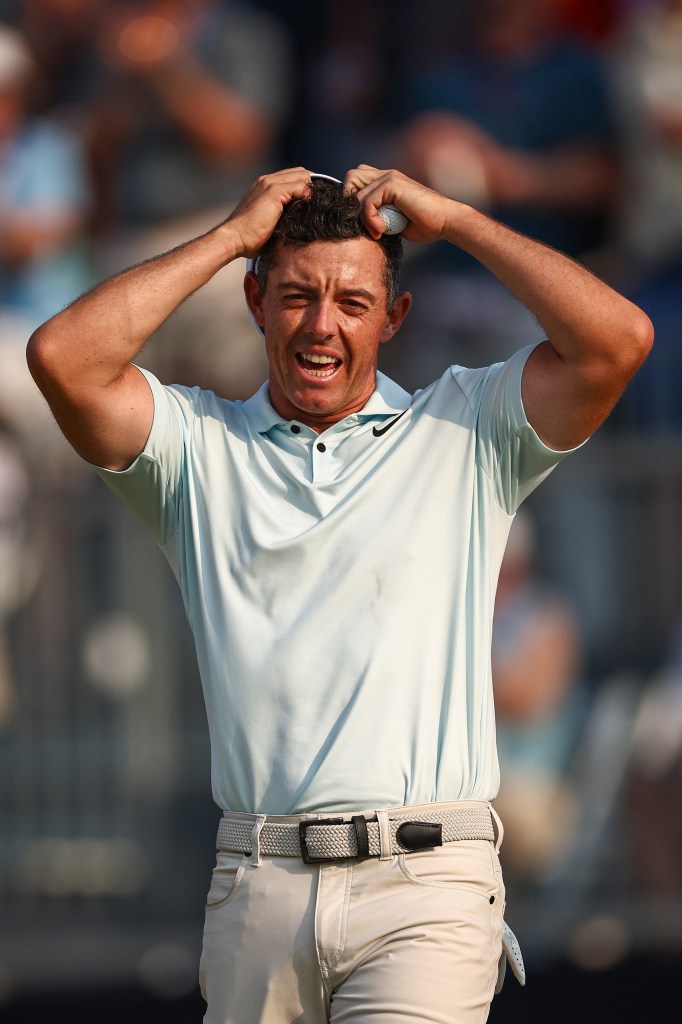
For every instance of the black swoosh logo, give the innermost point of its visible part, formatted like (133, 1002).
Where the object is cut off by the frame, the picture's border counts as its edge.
(378, 431)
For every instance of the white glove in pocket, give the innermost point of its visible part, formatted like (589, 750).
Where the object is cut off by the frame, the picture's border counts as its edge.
(511, 951)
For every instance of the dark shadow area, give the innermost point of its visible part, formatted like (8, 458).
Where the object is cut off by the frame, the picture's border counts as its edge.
(639, 988)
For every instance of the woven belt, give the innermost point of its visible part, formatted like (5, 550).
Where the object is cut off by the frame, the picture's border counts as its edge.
(319, 840)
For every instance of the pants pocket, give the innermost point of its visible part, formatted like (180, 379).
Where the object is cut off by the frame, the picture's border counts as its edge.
(465, 865)
(226, 879)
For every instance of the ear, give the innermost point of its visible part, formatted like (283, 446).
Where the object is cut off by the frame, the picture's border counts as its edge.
(396, 315)
(254, 299)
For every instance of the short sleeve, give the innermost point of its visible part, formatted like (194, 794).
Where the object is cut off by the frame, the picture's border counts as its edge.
(508, 448)
(153, 485)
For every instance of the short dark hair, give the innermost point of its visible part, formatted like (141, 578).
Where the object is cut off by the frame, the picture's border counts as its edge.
(330, 214)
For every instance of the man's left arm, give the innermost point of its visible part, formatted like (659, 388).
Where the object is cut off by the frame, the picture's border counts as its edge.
(597, 339)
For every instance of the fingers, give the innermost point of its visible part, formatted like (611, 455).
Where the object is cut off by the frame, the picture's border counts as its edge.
(261, 208)
(359, 180)
(256, 216)
(281, 187)
(375, 188)
(427, 211)
(293, 180)
(361, 176)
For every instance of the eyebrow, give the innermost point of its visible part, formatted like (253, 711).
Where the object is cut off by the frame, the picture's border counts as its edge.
(302, 286)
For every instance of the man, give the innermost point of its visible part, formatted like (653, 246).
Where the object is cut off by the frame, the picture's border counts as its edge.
(337, 543)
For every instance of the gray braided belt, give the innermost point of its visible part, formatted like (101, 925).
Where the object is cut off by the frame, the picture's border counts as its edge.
(318, 840)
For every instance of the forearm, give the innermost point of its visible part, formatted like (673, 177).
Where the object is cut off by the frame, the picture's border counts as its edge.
(92, 341)
(583, 317)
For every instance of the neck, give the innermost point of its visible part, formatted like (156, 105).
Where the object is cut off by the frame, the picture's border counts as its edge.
(321, 420)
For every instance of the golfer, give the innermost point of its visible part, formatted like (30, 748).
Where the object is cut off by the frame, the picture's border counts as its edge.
(337, 542)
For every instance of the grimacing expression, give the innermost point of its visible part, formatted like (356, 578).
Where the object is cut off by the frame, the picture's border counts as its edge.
(324, 314)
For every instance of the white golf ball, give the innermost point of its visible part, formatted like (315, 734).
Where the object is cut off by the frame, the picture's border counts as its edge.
(393, 218)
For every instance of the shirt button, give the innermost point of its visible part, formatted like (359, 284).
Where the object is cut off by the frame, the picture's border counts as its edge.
(295, 429)
(321, 447)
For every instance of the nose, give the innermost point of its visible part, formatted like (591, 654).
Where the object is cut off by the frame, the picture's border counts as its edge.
(320, 322)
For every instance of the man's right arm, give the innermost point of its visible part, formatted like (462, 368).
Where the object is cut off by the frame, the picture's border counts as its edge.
(81, 358)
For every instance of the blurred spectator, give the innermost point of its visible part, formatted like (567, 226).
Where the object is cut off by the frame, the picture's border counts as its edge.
(343, 87)
(596, 21)
(197, 93)
(536, 657)
(655, 788)
(515, 119)
(18, 560)
(649, 79)
(519, 120)
(61, 35)
(44, 199)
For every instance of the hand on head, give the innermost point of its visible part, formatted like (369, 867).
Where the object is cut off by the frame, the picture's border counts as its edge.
(426, 210)
(256, 216)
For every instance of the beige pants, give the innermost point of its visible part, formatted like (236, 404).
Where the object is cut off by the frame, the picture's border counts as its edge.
(414, 938)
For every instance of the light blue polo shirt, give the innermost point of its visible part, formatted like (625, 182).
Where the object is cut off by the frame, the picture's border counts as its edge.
(340, 586)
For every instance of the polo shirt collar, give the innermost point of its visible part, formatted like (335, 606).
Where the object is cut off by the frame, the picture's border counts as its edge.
(387, 399)
(260, 413)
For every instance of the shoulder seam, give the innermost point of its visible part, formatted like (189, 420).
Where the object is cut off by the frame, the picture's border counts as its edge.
(463, 392)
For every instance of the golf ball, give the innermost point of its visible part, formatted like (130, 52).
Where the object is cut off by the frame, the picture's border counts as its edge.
(393, 218)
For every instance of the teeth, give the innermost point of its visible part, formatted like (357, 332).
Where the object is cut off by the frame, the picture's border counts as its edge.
(327, 364)
(322, 373)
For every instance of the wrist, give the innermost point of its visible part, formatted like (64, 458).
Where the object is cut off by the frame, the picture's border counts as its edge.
(460, 223)
(228, 243)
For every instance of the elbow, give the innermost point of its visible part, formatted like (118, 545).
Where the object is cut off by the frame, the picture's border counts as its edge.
(630, 345)
(642, 339)
(35, 352)
(622, 353)
(40, 356)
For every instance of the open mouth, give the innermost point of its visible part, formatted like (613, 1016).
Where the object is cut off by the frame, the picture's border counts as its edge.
(317, 365)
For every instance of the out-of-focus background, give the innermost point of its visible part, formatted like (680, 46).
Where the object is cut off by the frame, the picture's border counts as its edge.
(128, 127)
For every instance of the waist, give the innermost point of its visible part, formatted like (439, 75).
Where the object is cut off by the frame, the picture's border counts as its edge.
(323, 836)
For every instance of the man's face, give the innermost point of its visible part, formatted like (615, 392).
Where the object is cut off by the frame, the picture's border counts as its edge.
(324, 314)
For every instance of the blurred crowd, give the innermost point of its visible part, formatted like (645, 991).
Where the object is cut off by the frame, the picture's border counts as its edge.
(128, 126)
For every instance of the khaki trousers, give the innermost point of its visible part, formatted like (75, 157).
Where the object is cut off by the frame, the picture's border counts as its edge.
(414, 938)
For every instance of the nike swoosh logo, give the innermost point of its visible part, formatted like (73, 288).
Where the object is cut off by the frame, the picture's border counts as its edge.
(378, 431)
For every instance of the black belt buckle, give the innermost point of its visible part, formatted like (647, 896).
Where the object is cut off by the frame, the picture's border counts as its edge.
(303, 826)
